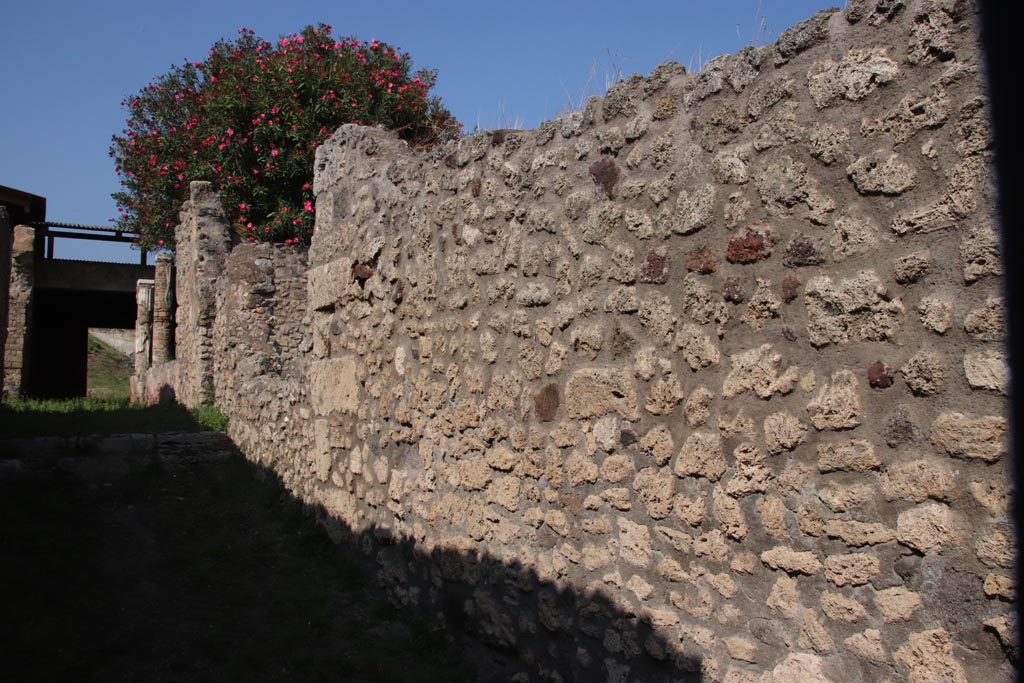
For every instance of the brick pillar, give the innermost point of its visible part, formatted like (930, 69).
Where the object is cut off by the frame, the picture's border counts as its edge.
(19, 314)
(163, 309)
(143, 325)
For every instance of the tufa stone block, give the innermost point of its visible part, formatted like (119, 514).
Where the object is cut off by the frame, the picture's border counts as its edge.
(334, 385)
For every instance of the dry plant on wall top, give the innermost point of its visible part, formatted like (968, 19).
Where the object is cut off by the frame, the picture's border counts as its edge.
(593, 87)
(760, 35)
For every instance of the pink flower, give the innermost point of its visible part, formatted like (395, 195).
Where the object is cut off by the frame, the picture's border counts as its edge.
(230, 132)
(307, 206)
(274, 152)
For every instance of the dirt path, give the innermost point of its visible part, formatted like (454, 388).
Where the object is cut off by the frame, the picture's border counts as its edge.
(171, 558)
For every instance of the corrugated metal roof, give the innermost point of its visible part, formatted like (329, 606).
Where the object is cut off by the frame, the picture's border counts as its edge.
(79, 226)
(114, 263)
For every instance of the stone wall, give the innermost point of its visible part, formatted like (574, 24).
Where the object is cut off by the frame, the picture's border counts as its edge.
(260, 370)
(709, 377)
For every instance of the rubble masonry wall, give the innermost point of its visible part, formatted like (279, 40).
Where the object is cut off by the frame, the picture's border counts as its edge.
(718, 363)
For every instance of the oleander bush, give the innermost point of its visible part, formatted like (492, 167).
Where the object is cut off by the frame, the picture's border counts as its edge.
(250, 117)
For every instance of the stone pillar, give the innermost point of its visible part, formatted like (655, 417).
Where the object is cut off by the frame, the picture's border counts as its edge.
(143, 325)
(163, 309)
(5, 283)
(19, 314)
(203, 243)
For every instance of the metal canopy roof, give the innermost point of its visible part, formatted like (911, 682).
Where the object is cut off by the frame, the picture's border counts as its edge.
(79, 226)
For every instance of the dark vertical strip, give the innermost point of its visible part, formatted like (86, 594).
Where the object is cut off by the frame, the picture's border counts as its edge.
(1000, 35)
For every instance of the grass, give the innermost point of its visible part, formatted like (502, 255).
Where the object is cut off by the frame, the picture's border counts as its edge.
(88, 415)
(109, 370)
(209, 417)
(106, 408)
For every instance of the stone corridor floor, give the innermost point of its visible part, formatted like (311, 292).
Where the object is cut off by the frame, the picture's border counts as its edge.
(172, 558)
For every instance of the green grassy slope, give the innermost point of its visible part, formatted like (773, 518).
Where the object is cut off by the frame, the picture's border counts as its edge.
(109, 370)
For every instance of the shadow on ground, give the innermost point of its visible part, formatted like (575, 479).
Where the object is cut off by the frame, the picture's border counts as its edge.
(172, 558)
(71, 417)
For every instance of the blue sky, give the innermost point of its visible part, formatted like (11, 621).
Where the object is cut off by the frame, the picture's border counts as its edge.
(67, 65)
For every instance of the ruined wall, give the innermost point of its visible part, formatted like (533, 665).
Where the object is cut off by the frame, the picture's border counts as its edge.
(708, 376)
(725, 345)
(259, 368)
